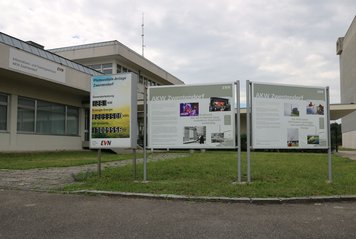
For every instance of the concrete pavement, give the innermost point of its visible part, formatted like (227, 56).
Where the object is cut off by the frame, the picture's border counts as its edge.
(347, 154)
(25, 214)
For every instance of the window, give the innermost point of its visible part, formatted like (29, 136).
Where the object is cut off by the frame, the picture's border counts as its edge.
(118, 67)
(4, 101)
(36, 116)
(86, 124)
(96, 67)
(104, 68)
(26, 115)
(107, 68)
(72, 120)
(150, 83)
(50, 118)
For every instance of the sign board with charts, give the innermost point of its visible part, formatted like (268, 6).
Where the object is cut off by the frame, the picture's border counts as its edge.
(191, 116)
(285, 116)
(113, 111)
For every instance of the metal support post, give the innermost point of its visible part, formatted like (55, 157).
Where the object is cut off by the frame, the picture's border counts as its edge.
(248, 129)
(134, 163)
(238, 133)
(99, 162)
(330, 179)
(144, 130)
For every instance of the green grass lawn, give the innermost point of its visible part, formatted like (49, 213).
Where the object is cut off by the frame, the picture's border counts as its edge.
(213, 174)
(56, 159)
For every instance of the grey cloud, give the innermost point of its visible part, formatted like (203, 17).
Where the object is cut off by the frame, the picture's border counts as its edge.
(290, 41)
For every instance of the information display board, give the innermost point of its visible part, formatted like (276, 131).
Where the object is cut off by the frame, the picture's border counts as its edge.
(285, 116)
(191, 116)
(113, 111)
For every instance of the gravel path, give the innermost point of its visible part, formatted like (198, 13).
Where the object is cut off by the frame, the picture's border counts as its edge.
(52, 178)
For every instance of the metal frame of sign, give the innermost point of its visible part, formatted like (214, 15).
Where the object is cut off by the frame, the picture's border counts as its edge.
(286, 109)
(191, 116)
(113, 111)
(194, 97)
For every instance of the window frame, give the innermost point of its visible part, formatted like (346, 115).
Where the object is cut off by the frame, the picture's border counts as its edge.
(27, 107)
(67, 123)
(65, 118)
(7, 118)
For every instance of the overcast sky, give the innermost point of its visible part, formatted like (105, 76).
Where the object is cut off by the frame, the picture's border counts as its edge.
(201, 41)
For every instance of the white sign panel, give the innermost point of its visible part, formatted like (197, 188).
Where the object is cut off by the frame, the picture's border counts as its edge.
(195, 116)
(289, 116)
(113, 110)
(34, 65)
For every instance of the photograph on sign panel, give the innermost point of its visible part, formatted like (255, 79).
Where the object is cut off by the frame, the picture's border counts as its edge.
(194, 135)
(189, 109)
(291, 110)
(313, 139)
(315, 109)
(219, 104)
(217, 137)
(292, 137)
(222, 139)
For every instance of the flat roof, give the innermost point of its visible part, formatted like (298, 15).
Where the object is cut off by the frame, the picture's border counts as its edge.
(338, 111)
(121, 47)
(85, 46)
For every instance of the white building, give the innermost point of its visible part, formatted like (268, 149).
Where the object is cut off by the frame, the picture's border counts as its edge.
(44, 96)
(346, 49)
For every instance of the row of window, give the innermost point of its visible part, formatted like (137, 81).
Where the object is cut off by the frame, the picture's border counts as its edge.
(142, 78)
(107, 68)
(121, 69)
(104, 68)
(37, 116)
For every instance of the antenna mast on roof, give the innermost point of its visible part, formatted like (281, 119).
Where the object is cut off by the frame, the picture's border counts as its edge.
(143, 35)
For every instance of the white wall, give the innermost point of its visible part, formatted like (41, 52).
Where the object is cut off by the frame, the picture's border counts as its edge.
(14, 141)
(74, 92)
(348, 85)
(349, 140)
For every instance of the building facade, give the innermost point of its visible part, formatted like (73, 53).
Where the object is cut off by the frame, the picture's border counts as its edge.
(44, 95)
(112, 57)
(346, 49)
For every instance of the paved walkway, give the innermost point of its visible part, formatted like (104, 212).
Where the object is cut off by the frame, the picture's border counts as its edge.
(347, 154)
(52, 178)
